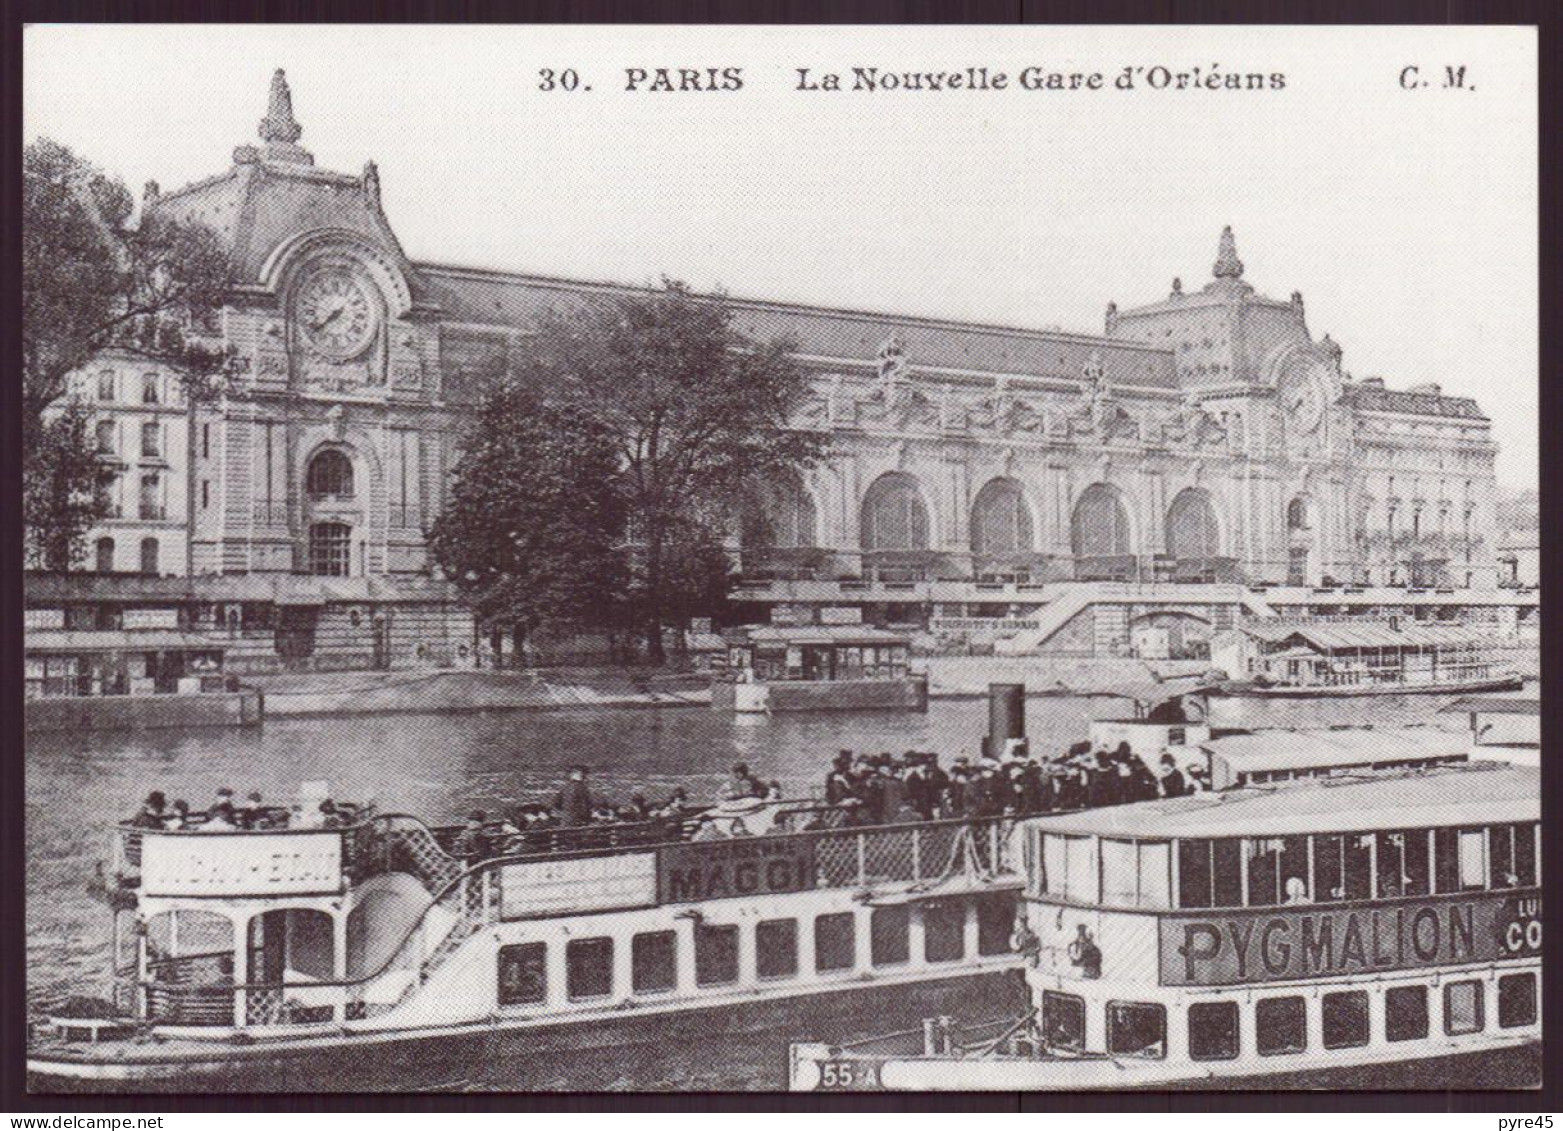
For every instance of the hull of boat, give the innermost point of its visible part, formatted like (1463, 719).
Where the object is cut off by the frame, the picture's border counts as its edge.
(704, 1048)
(1252, 691)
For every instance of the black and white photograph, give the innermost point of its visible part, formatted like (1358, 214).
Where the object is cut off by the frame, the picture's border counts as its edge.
(860, 559)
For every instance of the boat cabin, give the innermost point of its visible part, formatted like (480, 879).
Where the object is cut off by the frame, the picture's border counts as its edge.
(1276, 929)
(819, 667)
(1238, 758)
(1357, 655)
(774, 653)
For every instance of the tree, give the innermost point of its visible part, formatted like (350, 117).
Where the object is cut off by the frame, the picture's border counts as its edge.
(92, 279)
(697, 411)
(533, 528)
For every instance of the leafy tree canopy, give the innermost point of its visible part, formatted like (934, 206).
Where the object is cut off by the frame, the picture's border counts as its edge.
(94, 278)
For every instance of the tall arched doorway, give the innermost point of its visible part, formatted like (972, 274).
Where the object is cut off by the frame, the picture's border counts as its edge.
(1001, 525)
(1099, 534)
(894, 516)
(1193, 535)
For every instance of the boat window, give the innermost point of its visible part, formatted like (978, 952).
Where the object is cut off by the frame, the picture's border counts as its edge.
(1403, 863)
(995, 924)
(1277, 870)
(1345, 1020)
(589, 968)
(944, 932)
(776, 948)
(1155, 874)
(1343, 866)
(1460, 859)
(1063, 1020)
(1069, 864)
(1213, 1030)
(1120, 873)
(523, 973)
(834, 937)
(1280, 1025)
(889, 936)
(1137, 1028)
(1513, 861)
(1135, 873)
(654, 961)
(1516, 1000)
(1210, 873)
(716, 954)
(1463, 1008)
(1405, 1013)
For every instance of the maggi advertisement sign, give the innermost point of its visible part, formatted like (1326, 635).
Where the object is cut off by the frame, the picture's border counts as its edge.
(1223, 948)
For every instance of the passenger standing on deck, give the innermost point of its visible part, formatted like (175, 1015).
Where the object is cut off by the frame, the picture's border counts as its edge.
(472, 842)
(151, 814)
(574, 802)
(741, 784)
(838, 783)
(1171, 783)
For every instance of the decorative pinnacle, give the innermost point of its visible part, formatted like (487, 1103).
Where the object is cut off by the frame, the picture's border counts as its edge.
(1228, 265)
(279, 123)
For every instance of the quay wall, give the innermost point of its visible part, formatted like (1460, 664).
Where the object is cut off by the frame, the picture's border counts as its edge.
(146, 712)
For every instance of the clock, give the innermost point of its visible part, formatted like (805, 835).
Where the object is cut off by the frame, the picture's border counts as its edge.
(335, 313)
(1303, 396)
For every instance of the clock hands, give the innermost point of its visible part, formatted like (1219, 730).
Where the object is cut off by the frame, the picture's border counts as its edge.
(335, 312)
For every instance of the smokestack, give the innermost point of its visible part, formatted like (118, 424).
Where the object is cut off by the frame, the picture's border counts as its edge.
(1006, 717)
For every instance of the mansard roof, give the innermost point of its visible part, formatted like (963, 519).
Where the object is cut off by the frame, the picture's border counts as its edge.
(1371, 398)
(516, 302)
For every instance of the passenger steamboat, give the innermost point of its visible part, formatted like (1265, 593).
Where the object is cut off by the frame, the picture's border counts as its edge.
(302, 959)
(1317, 932)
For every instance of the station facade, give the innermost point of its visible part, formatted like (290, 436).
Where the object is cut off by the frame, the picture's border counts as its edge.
(1205, 437)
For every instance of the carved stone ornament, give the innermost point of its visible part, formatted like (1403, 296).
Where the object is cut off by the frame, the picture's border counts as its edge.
(336, 420)
(892, 359)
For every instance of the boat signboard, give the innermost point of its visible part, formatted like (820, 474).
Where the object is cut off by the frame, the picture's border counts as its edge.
(228, 865)
(593, 883)
(1223, 948)
(718, 869)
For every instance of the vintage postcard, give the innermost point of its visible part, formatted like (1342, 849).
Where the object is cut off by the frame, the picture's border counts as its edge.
(580, 558)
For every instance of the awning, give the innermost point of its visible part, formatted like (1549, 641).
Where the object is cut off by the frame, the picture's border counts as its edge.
(155, 641)
(1492, 705)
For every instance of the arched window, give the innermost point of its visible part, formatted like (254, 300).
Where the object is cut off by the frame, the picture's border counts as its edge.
(1191, 526)
(894, 516)
(330, 475)
(1298, 514)
(149, 555)
(1100, 524)
(105, 555)
(781, 516)
(1000, 520)
(330, 548)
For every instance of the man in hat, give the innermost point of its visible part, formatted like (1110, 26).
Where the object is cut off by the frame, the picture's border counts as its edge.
(574, 801)
(838, 783)
(152, 813)
(741, 784)
(1171, 783)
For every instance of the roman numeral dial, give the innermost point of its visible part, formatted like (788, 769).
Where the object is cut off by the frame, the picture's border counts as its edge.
(335, 313)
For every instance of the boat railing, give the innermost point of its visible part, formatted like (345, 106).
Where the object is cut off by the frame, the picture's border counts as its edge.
(923, 853)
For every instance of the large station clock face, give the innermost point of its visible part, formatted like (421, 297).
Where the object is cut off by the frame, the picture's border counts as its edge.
(1303, 396)
(335, 312)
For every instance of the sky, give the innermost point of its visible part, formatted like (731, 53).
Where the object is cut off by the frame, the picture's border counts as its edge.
(1406, 217)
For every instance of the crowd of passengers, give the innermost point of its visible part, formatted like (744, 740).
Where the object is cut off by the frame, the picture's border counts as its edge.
(860, 790)
(225, 814)
(886, 789)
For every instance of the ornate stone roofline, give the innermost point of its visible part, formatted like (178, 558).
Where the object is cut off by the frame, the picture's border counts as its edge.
(555, 282)
(936, 376)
